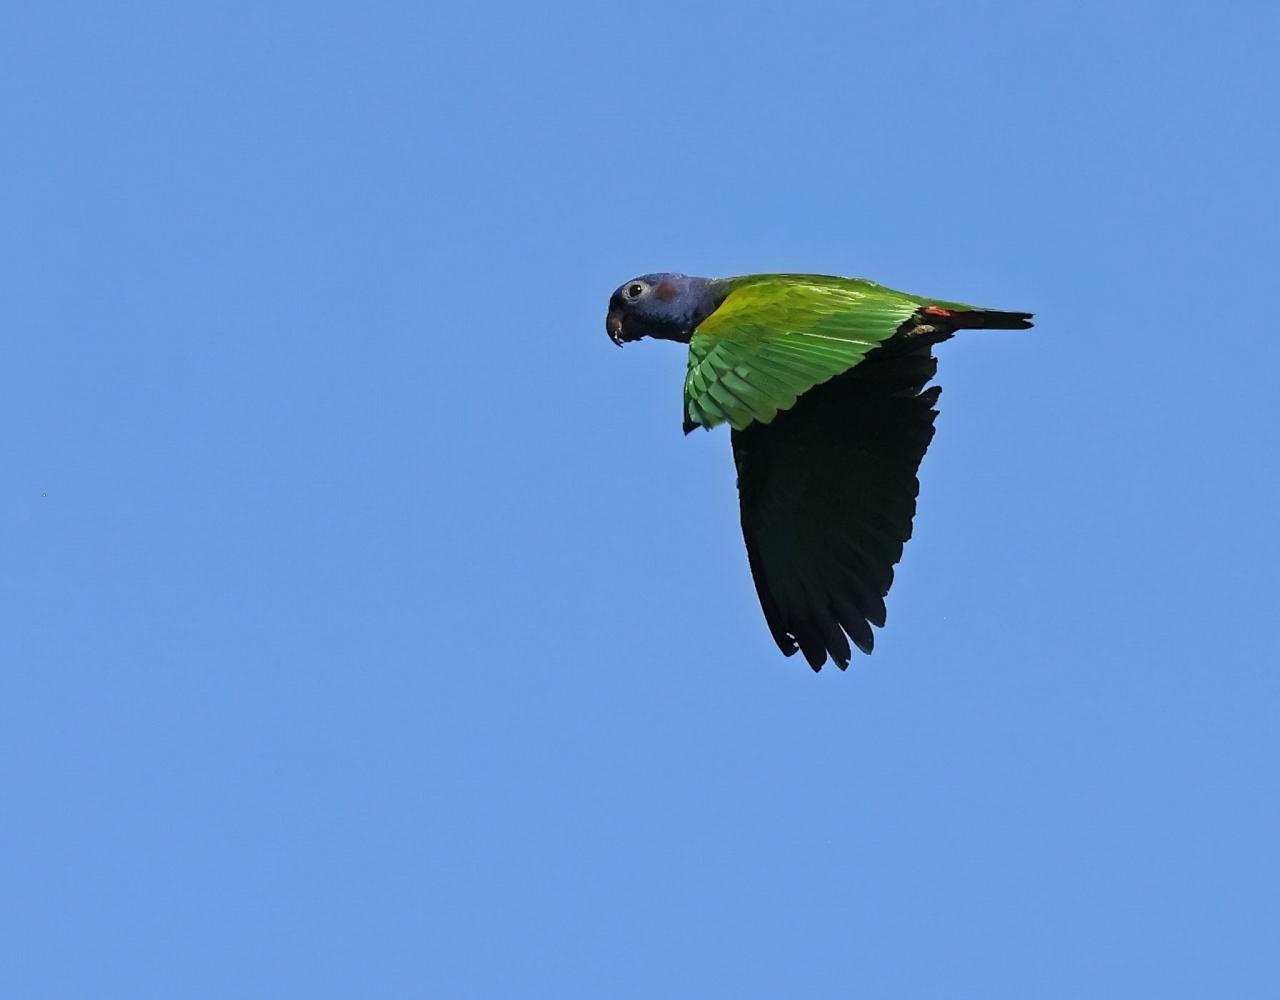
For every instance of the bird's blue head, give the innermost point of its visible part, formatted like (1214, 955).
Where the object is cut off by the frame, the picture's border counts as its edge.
(665, 306)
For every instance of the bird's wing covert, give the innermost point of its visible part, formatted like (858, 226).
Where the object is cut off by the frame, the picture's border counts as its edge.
(776, 336)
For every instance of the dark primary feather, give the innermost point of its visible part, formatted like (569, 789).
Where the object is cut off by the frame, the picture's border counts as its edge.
(828, 492)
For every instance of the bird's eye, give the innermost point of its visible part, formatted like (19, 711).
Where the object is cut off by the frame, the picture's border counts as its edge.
(635, 290)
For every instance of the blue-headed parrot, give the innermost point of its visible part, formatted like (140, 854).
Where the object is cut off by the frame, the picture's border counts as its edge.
(822, 380)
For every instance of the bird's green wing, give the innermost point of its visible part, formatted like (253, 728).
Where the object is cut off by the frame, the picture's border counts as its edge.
(776, 336)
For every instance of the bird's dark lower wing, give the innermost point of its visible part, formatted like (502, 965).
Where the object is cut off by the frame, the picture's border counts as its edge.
(828, 492)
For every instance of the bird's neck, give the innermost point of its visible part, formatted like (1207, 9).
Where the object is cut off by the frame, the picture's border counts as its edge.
(700, 298)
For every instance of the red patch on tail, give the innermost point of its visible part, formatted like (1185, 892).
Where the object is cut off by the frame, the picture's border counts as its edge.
(936, 311)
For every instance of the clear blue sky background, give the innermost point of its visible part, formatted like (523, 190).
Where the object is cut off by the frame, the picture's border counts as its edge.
(370, 629)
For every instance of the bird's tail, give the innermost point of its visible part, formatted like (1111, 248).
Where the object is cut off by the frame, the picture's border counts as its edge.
(981, 319)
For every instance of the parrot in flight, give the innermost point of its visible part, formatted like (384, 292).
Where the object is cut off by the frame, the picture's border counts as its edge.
(822, 382)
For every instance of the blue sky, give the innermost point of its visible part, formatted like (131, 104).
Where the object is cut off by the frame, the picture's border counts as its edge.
(369, 628)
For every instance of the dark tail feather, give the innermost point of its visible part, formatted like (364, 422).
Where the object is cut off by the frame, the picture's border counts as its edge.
(988, 319)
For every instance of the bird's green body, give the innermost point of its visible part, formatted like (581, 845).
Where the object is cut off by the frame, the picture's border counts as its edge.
(822, 380)
(775, 336)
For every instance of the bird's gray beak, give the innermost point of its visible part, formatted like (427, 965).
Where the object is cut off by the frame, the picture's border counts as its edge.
(613, 326)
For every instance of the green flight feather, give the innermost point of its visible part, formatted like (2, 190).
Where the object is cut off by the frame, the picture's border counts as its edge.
(776, 336)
